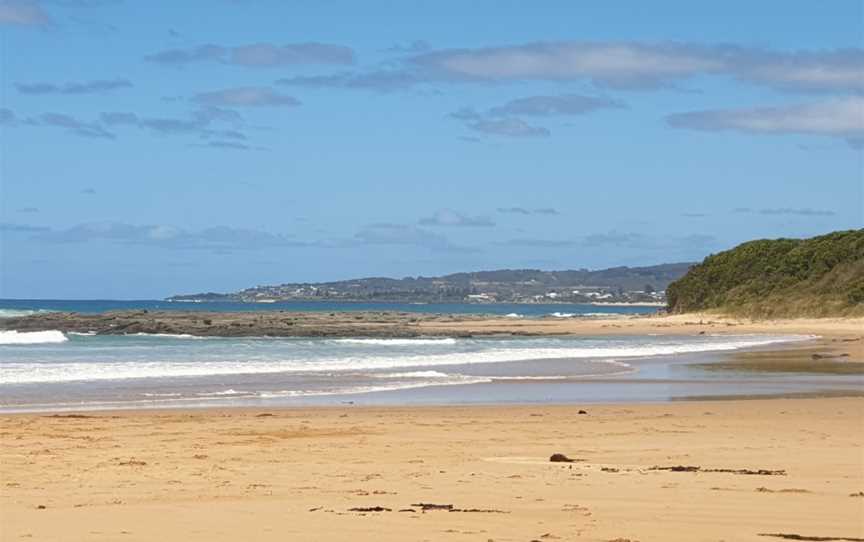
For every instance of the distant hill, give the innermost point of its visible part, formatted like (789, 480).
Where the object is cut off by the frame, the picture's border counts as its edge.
(635, 284)
(821, 276)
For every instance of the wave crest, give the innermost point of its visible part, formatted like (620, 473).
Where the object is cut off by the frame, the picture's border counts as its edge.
(32, 337)
(396, 342)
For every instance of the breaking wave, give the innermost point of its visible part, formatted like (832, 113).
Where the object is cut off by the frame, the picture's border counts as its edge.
(32, 337)
(397, 342)
(165, 364)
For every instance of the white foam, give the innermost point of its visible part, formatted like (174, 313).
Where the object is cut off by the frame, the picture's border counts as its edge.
(32, 337)
(355, 390)
(415, 374)
(220, 393)
(165, 335)
(69, 371)
(563, 314)
(513, 315)
(396, 342)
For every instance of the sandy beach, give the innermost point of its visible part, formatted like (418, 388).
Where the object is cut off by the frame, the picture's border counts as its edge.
(659, 324)
(746, 469)
(752, 470)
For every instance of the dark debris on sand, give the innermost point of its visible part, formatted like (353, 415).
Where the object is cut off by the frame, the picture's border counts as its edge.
(792, 536)
(689, 468)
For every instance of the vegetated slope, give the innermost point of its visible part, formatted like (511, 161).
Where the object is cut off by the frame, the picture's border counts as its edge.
(821, 276)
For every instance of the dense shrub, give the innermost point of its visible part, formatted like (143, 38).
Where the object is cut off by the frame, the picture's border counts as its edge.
(820, 276)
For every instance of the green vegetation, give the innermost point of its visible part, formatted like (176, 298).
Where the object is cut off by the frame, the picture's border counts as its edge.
(822, 276)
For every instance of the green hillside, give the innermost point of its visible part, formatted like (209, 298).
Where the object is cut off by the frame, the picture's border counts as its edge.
(821, 276)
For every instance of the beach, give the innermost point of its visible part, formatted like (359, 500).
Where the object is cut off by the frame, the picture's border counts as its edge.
(765, 467)
(707, 465)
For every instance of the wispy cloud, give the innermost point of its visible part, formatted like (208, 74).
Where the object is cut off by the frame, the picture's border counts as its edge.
(21, 228)
(7, 117)
(531, 242)
(547, 106)
(23, 13)
(402, 234)
(416, 46)
(839, 117)
(509, 127)
(620, 240)
(201, 122)
(257, 55)
(377, 80)
(229, 145)
(449, 217)
(246, 97)
(504, 119)
(71, 124)
(801, 211)
(207, 122)
(164, 236)
(609, 64)
(87, 87)
(646, 65)
(524, 211)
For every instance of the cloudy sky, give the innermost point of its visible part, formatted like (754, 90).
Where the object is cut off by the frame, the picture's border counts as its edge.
(218, 144)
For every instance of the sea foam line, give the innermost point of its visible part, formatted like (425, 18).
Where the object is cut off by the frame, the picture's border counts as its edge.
(397, 342)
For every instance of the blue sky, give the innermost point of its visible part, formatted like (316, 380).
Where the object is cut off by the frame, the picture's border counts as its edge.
(214, 145)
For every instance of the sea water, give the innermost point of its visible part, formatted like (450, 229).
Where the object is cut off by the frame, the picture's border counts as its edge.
(24, 307)
(51, 370)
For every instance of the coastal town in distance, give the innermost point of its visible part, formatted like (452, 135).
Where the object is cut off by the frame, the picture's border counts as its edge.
(628, 285)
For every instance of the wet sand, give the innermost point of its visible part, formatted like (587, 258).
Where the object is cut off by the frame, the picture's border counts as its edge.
(751, 469)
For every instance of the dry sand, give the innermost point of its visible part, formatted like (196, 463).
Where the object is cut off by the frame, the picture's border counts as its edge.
(640, 325)
(297, 474)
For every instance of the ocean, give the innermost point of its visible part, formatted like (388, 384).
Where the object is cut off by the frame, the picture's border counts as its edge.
(22, 307)
(50, 370)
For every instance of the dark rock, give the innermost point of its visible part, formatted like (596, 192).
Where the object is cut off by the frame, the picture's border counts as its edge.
(560, 458)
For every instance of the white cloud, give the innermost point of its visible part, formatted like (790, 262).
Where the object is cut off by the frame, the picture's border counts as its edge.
(507, 127)
(840, 117)
(642, 65)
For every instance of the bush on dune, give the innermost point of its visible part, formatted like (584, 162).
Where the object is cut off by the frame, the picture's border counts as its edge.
(821, 276)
